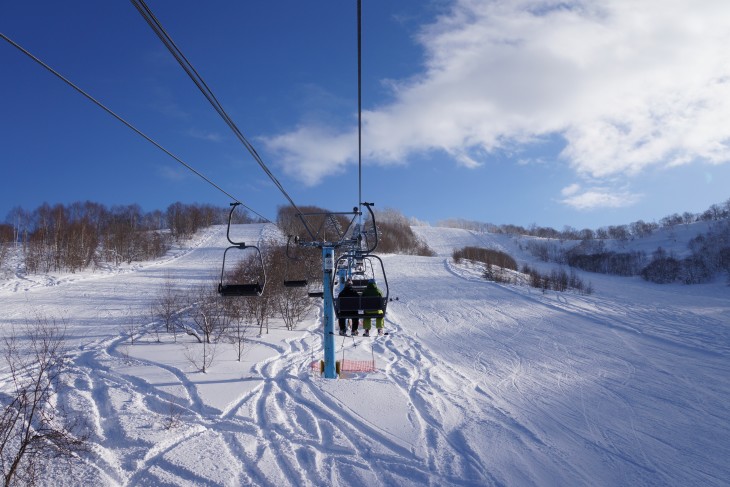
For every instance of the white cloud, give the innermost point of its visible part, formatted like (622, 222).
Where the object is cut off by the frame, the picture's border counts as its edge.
(571, 190)
(599, 198)
(627, 84)
(312, 152)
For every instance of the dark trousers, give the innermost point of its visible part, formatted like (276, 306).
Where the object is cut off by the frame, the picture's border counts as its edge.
(343, 324)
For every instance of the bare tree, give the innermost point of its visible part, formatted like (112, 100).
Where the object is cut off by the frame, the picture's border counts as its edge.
(201, 357)
(31, 427)
(6, 239)
(174, 416)
(259, 308)
(212, 318)
(166, 307)
(131, 325)
(249, 270)
(209, 312)
(291, 303)
(240, 327)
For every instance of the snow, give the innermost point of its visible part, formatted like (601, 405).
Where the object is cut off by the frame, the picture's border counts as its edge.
(477, 384)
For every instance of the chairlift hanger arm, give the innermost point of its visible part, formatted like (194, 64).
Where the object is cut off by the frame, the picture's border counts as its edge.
(375, 227)
(228, 231)
(288, 282)
(288, 241)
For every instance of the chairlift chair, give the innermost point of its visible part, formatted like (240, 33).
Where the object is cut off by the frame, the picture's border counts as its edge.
(359, 307)
(361, 273)
(300, 282)
(227, 288)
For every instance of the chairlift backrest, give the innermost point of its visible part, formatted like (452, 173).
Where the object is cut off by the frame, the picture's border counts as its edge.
(359, 284)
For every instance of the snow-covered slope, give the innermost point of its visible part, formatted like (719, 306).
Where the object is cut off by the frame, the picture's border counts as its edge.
(477, 384)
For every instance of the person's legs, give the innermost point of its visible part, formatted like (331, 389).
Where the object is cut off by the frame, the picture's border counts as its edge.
(355, 324)
(343, 326)
(379, 323)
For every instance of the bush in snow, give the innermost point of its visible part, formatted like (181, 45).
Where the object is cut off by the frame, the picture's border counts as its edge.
(486, 256)
(33, 428)
(662, 270)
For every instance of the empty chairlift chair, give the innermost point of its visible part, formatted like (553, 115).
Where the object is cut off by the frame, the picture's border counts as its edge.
(238, 282)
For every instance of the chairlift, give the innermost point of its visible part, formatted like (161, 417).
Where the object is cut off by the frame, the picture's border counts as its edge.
(294, 276)
(230, 284)
(359, 307)
(361, 273)
(296, 283)
(315, 294)
(302, 281)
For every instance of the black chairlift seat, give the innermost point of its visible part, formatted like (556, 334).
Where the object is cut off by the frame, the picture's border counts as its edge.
(358, 307)
(240, 289)
(303, 283)
(296, 283)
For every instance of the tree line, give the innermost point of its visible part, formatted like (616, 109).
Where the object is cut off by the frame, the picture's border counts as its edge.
(396, 235)
(498, 264)
(709, 255)
(489, 257)
(81, 235)
(634, 230)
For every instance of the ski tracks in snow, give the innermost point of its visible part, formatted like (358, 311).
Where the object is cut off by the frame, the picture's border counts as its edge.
(477, 384)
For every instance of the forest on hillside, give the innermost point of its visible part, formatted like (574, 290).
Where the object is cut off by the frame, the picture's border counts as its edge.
(594, 251)
(626, 232)
(88, 235)
(81, 235)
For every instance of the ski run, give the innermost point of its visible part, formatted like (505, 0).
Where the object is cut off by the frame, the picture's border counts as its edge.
(477, 384)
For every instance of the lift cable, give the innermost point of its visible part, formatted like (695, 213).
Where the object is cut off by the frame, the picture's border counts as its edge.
(145, 11)
(359, 102)
(135, 129)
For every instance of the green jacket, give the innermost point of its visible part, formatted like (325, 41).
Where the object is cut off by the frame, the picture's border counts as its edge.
(372, 290)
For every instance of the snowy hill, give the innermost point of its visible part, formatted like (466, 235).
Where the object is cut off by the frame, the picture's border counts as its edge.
(478, 383)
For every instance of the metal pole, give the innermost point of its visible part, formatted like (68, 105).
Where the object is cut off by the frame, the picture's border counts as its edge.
(330, 371)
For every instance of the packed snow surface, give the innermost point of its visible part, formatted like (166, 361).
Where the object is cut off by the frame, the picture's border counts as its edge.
(477, 383)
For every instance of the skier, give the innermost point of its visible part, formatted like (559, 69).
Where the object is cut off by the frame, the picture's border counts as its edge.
(348, 292)
(373, 290)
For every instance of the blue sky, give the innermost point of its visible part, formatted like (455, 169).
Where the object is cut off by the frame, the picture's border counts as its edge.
(554, 113)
